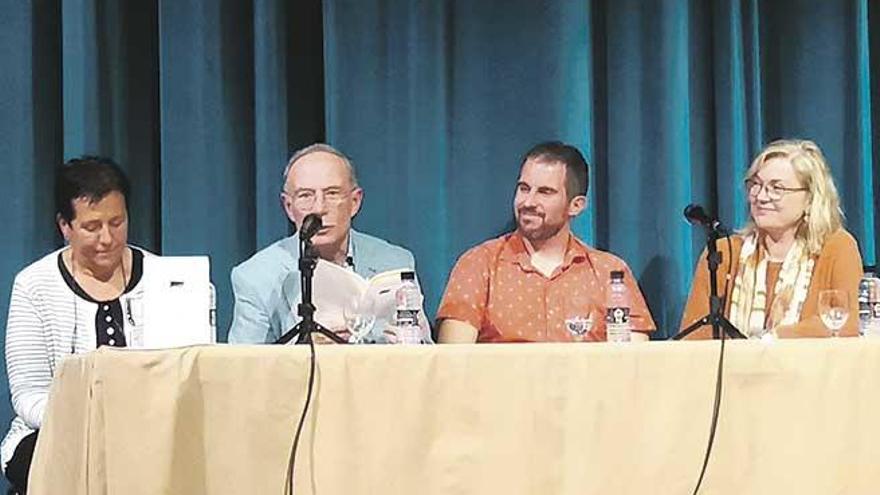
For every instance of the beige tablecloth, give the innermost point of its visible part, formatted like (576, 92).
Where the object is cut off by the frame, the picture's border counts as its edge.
(798, 417)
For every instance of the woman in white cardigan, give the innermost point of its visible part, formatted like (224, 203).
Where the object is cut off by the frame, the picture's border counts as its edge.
(71, 300)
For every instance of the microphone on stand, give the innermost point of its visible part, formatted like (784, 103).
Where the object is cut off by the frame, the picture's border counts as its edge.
(696, 215)
(721, 326)
(310, 226)
(308, 260)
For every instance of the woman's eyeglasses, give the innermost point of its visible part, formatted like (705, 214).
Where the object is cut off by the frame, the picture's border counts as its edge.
(774, 190)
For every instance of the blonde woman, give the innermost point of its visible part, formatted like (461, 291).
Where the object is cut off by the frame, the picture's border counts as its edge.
(793, 247)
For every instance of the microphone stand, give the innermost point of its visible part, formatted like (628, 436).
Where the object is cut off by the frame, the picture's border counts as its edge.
(308, 260)
(721, 326)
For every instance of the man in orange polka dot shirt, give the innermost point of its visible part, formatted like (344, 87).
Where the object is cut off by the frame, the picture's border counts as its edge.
(539, 283)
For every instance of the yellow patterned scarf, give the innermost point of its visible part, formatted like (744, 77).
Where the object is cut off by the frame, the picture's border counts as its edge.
(748, 301)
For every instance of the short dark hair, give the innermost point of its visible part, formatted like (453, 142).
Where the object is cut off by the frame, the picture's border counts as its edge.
(577, 170)
(89, 177)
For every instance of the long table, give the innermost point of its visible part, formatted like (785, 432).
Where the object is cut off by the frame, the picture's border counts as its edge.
(797, 417)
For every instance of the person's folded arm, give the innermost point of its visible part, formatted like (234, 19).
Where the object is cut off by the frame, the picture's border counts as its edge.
(640, 315)
(807, 328)
(464, 302)
(250, 322)
(846, 273)
(456, 332)
(27, 357)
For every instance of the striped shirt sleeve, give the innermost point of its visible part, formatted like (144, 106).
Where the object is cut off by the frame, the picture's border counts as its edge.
(27, 356)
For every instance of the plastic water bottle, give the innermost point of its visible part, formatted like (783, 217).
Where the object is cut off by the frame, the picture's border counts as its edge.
(874, 302)
(869, 305)
(409, 303)
(617, 307)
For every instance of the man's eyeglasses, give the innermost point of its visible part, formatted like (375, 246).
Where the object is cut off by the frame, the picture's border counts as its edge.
(774, 191)
(306, 198)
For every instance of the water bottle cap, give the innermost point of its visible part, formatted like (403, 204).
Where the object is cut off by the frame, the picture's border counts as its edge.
(617, 275)
(407, 275)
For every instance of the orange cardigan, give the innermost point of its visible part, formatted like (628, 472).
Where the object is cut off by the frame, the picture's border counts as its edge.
(839, 266)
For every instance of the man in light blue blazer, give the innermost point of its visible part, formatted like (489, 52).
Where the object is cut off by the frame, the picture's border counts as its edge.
(318, 179)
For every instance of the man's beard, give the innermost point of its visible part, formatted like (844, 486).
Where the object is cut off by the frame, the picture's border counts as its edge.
(539, 233)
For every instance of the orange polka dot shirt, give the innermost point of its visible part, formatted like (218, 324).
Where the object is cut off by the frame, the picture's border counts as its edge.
(495, 288)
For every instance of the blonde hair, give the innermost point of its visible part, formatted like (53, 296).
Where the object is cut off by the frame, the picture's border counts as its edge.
(823, 215)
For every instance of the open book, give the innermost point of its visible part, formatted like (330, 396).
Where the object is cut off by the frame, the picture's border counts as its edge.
(338, 292)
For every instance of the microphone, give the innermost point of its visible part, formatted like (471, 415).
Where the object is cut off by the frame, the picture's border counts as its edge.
(696, 215)
(310, 226)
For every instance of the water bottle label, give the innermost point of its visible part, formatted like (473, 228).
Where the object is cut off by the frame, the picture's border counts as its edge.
(617, 328)
(618, 316)
(865, 311)
(407, 317)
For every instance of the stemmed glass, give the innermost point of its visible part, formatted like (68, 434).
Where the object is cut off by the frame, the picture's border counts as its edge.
(834, 309)
(360, 314)
(579, 321)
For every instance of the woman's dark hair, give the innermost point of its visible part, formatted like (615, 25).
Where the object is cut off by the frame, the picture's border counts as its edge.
(89, 177)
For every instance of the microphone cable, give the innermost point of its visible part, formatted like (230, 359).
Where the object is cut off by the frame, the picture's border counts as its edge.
(291, 462)
(716, 408)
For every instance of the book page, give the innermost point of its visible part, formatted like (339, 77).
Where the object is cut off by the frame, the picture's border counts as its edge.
(334, 287)
(337, 289)
(383, 288)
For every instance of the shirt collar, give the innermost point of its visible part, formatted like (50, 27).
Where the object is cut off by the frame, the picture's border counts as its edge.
(515, 251)
(351, 257)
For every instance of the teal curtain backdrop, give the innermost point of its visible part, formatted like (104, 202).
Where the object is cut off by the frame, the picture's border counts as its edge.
(202, 101)
(669, 100)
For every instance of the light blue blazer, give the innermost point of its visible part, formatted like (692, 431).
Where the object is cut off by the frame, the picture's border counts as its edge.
(267, 286)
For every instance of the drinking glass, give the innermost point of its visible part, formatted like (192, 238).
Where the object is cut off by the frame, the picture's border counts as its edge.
(360, 314)
(579, 321)
(834, 309)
